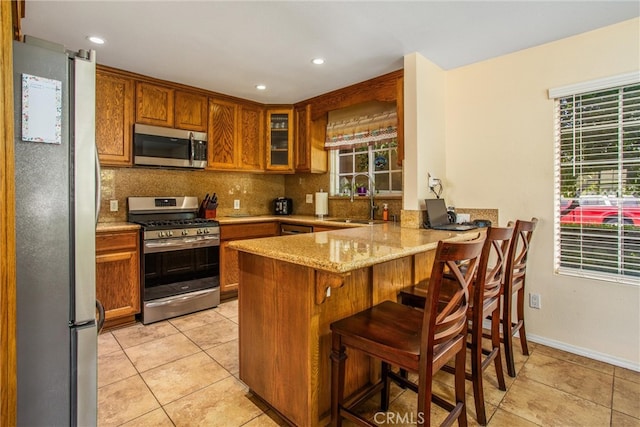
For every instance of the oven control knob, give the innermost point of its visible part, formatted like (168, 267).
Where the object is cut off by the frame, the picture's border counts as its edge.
(160, 233)
(206, 231)
(199, 231)
(185, 233)
(169, 233)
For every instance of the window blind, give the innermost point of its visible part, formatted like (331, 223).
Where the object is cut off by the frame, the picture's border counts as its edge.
(597, 184)
(360, 131)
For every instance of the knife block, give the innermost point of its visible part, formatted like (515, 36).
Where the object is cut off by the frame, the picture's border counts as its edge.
(210, 213)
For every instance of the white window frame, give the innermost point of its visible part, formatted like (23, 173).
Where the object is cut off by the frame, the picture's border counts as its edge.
(336, 175)
(583, 232)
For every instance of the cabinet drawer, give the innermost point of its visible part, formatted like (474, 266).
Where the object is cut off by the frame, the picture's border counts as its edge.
(106, 242)
(247, 231)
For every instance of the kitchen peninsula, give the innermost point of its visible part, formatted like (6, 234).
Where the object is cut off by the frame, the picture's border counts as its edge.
(293, 287)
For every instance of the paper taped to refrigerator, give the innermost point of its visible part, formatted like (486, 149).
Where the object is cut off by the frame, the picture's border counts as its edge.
(41, 109)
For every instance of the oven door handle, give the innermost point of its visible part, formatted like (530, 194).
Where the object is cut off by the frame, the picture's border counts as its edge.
(153, 247)
(179, 298)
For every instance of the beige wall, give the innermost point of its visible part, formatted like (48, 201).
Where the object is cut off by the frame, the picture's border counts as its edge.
(500, 153)
(424, 128)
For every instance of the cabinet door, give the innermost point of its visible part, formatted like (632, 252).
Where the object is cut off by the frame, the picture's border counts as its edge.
(301, 116)
(279, 140)
(117, 284)
(251, 138)
(114, 118)
(229, 269)
(154, 104)
(118, 275)
(222, 151)
(190, 111)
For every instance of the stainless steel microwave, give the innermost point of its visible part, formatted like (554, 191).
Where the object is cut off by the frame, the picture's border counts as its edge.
(176, 148)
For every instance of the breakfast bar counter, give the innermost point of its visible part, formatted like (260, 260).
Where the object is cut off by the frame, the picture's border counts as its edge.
(293, 287)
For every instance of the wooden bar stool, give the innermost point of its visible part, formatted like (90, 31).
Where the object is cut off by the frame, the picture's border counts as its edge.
(513, 285)
(415, 340)
(485, 294)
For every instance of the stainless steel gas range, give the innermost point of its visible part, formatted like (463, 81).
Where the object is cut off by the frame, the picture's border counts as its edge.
(180, 257)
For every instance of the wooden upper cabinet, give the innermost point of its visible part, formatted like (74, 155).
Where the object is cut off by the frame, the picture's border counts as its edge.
(154, 104)
(190, 111)
(310, 155)
(236, 136)
(279, 140)
(251, 138)
(302, 138)
(114, 118)
(223, 119)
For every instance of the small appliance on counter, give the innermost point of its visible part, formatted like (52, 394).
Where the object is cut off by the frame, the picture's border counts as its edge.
(283, 206)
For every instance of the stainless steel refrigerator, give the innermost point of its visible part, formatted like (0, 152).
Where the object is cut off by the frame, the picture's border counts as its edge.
(55, 183)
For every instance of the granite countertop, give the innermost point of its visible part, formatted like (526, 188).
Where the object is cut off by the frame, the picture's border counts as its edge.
(341, 251)
(104, 227)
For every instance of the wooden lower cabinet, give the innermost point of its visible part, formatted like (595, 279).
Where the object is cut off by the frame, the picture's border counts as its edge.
(118, 276)
(284, 312)
(229, 270)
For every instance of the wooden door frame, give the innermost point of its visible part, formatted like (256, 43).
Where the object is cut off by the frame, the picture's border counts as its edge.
(8, 380)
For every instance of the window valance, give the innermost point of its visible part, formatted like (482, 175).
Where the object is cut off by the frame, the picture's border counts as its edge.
(364, 130)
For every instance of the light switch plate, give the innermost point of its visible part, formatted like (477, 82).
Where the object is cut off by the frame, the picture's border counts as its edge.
(113, 206)
(309, 198)
(236, 204)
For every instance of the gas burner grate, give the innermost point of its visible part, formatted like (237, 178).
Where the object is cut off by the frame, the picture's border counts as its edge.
(178, 223)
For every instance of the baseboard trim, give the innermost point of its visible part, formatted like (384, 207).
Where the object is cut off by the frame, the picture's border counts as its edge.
(584, 352)
(559, 345)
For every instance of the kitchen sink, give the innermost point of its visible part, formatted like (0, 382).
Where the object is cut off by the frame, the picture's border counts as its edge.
(356, 221)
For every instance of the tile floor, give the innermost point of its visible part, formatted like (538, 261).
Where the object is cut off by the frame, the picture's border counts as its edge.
(184, 372)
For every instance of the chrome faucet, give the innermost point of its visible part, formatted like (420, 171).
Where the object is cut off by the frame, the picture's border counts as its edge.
(372, 206)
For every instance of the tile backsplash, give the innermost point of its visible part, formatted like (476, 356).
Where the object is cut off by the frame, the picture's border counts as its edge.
(255, 191)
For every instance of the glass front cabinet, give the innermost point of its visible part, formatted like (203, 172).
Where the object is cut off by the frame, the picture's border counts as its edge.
(280, 140)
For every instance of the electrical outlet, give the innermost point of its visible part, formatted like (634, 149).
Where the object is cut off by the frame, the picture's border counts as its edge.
(236, 204)
(309, 198)
(113, 206)
(462, 218)
(433, 182)
(535, 301)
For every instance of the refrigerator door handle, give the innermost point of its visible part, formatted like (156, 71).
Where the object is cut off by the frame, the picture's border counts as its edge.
(101, 316)
(98, 186)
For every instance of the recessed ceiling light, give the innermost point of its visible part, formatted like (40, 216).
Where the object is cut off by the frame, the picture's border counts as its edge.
(261, 87)
(318, 61)
(96, 39)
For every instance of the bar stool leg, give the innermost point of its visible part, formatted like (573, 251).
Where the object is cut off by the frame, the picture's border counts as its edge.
(495, 344)
(385, 392)
(507, 335)
(476, 373)
(522, 333)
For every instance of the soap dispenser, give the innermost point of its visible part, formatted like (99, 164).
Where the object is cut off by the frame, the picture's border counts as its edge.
(385, 212)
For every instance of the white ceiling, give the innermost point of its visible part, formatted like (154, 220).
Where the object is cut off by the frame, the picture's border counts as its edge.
(230, 46)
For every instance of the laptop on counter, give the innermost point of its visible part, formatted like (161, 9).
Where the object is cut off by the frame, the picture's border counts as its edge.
(438, 218)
